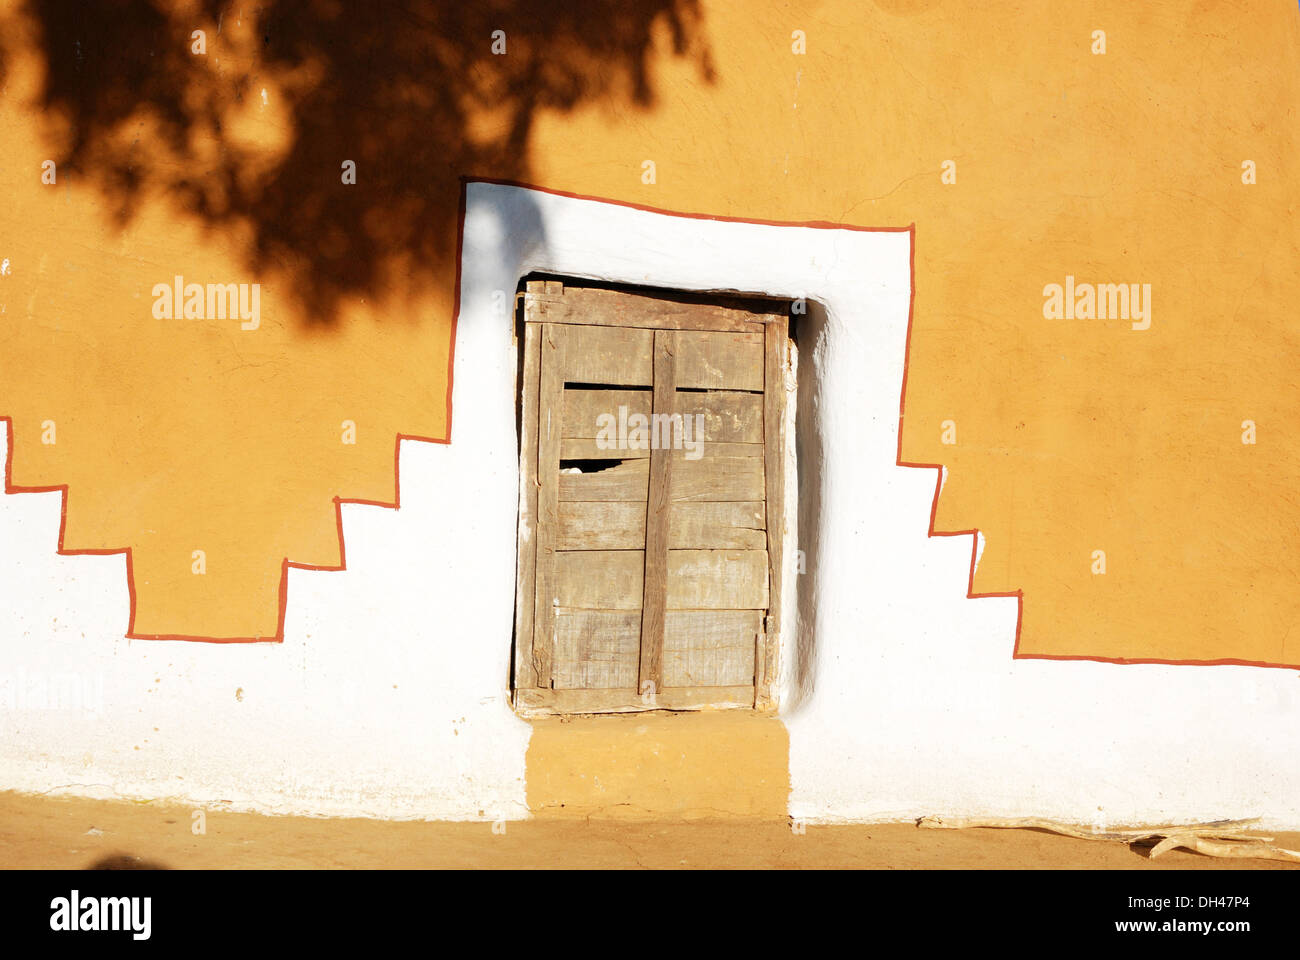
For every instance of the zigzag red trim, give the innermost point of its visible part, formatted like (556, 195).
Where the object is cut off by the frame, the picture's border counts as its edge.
(10, 487)
(396, 504)
(974, 534)
(286, 563)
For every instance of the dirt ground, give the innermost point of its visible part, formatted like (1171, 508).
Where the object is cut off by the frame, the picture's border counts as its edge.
(38, 832)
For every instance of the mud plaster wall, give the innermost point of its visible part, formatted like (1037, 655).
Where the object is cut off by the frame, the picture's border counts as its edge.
(1072, 435)
(389, 695)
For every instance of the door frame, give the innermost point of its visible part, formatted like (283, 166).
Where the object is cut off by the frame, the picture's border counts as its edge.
(542, 301)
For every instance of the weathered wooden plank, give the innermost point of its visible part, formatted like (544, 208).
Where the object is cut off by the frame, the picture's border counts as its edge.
(596, 649)
(589, 449)
(774, 444)
(718, 478)
(717, 579)
(618, 308)
(600, 579)
(602, 525)
(716, 525)
(708, 449)
(720, 361)
(710, 648)
(729, 416)
(626, 481)
(586, 449)
(696, 579)
(614, 355)
(699, 525)
(583, 408)
(543, 703)
(526, 574)
(682, 628)
(549, 406)
(655, 602)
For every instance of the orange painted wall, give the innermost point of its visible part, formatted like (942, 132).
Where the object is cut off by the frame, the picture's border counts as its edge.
(1072, 436)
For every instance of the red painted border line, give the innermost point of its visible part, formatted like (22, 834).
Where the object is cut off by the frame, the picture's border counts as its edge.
(10, 487)
(286, 563)
(721, 218)
(974, 533)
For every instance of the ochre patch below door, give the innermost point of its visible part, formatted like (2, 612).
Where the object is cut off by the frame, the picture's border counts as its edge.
(715, 764)
(652, 453)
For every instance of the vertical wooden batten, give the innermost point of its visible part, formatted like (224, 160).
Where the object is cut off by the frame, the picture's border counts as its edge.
(775, 347)
(526, 578)
(655, 602)
(549, 412)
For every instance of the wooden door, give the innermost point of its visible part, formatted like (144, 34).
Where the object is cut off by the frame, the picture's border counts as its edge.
(651, 471)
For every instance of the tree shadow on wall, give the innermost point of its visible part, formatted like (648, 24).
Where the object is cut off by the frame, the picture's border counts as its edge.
(411, 92)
